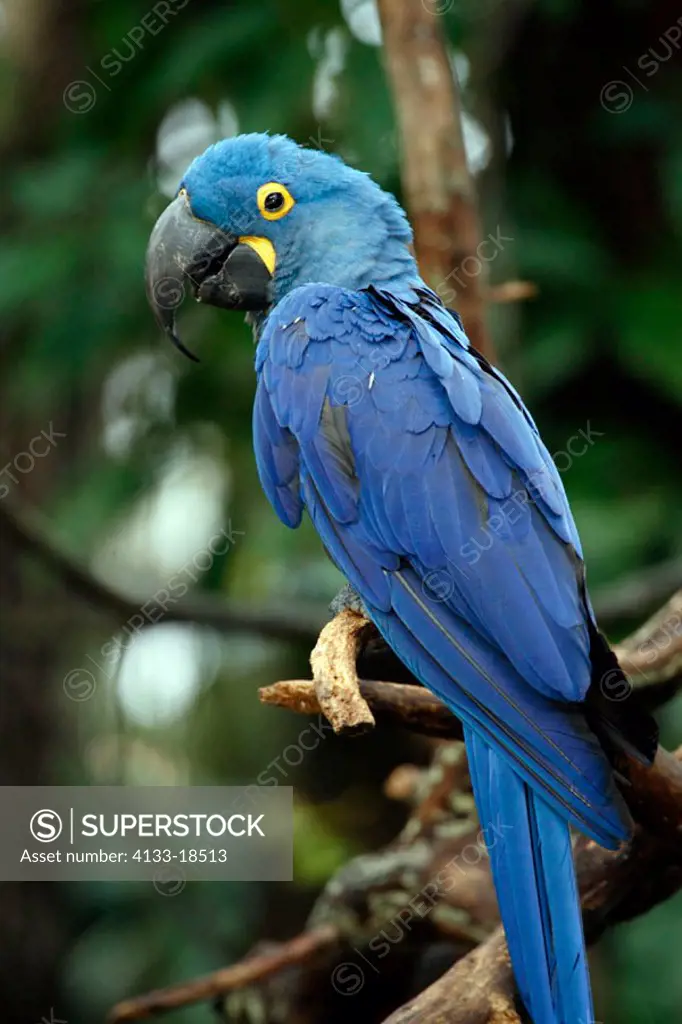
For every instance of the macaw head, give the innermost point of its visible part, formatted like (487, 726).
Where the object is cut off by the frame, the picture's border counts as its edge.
(257, 215)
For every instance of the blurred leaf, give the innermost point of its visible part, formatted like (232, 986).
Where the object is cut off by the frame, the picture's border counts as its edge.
(650, 335)
(319, 851)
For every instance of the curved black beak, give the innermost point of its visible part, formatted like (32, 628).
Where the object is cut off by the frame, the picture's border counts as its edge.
(219, 269)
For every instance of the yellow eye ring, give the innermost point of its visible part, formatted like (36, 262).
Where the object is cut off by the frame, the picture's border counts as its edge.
(274, 200)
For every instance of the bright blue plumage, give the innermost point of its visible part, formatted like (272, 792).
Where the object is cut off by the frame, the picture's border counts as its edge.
(431, 490)
(400, 484)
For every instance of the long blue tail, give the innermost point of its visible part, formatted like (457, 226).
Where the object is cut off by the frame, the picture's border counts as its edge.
(532, 864)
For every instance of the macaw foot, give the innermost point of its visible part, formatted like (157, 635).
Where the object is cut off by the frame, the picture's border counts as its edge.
(334, 675)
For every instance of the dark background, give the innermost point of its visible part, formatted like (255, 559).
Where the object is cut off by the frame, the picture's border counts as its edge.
(584, 177)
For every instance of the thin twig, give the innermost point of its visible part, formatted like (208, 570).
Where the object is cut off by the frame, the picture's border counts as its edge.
(28, 530)
(211, 986)
(511, 291)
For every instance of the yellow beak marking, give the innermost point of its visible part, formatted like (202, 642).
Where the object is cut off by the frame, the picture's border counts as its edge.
(264, 248)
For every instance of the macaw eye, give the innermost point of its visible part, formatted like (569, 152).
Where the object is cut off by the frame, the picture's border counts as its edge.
(274, 200)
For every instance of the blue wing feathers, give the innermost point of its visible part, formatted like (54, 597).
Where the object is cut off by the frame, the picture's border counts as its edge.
(483, 461)
(428, 483)
(563, 749)
(599, 821)
(507, 550)
(277, 460)
(500, 420)
(357, 559)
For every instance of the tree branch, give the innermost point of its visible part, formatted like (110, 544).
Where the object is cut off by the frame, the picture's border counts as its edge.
(651, 658)
(247, 972)
(439, 191)
(413, 707)
(652, 655)
(30, 533)
(639, 592)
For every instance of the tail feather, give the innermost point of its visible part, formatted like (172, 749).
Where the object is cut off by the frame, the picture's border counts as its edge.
(532, 864)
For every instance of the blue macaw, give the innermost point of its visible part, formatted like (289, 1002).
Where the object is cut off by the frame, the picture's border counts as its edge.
(428, 483)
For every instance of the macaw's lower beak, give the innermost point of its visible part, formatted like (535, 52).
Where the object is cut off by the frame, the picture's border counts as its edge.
(221, 269)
